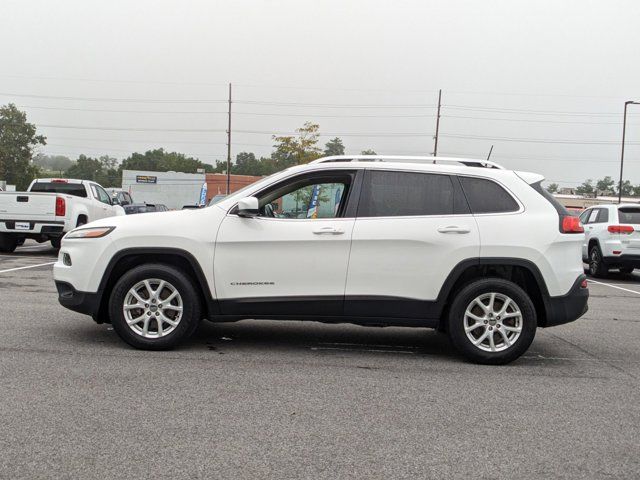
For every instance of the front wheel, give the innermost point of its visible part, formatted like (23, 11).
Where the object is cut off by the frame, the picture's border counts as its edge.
(155, 307)
(492, 321)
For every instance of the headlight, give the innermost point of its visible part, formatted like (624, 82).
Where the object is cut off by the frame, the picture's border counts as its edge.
(95, 232)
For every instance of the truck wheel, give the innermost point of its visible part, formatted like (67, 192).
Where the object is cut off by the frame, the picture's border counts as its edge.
(597, 268)
(55, 242)
(155, 307)
(492, 321)
(8, 243)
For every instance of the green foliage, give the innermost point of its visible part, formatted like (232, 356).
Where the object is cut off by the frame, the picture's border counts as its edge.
(552, 188)
(586, 188)
(296, 150)
(102, 170)
(52, 163)
(334, 147)
(160, 161)
(605, 185)
(17, 140)
(368, 152)
(627, 188)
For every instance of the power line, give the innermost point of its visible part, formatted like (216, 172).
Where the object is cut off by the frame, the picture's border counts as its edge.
(527, 120)
(535, 140)
(109, 99)
(527, 111)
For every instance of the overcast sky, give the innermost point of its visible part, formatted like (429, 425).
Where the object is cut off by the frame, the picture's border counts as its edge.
(543, 81)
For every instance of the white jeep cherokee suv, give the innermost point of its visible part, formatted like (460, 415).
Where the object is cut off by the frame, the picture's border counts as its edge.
(612, 238)
(484, 254)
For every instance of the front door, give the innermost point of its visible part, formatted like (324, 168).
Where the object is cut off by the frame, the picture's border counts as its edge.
(292, 258)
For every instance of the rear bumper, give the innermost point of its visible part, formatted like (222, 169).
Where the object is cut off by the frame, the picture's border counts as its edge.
(53, 228)
(81, 302)
(569, 307)
(625, 260)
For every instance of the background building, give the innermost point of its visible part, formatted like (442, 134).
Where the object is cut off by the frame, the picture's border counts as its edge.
(173, 189)
(217, 183)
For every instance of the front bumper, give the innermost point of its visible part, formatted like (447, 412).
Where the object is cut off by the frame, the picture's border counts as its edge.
(81, 302)
(569, 307)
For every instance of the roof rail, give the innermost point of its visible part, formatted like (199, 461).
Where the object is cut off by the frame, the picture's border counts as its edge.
(468, 162)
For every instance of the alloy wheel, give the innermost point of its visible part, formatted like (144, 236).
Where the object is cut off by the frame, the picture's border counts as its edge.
(493, 322)
(153, 308)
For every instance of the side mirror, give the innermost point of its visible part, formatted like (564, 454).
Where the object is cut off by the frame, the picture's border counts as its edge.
(248, 207)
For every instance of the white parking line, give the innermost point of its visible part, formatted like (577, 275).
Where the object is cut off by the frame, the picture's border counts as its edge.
(613, 286)
(24, 268)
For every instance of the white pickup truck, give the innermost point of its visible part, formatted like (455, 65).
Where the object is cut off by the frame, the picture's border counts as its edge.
(49, 208)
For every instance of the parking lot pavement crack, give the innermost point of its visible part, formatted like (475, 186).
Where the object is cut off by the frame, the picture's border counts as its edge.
(586, 352)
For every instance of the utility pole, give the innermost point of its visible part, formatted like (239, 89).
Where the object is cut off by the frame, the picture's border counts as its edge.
(624, 129)
(490, 150)
(229, 146)
(435, 145)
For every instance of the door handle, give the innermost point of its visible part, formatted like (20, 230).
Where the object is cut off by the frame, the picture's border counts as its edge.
(328, 231)
(454, 229)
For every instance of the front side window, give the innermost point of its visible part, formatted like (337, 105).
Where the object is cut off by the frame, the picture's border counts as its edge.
(306, 198)
(584, 216)
(100, 194)
(394, 194)
(486, 196)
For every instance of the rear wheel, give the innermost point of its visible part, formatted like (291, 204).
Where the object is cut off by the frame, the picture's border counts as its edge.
(8, 243)
(597, 267)
(492, 321)
(154, 307)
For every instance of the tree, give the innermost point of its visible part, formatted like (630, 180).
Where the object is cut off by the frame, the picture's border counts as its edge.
(627, 188)
(368, 152)
(103, 170)
(296, 150)
(636, 191)
(586, 188)
(334, 147)
(160, 161)
(553, 188)
(605, 185)
(17, 141)
(53, 163)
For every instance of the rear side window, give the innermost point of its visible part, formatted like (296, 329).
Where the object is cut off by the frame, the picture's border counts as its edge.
(486, 196)
(75, 189)
(395, 194)
(629, 215)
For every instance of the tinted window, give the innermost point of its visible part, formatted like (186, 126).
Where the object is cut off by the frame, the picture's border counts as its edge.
(75, 189)
(392, 194)
(629, 215)
(603, 216)
(100, 194)
(486, 196)
(584, 216)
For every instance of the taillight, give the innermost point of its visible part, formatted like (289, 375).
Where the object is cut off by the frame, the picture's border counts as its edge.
(570, 224)
(61, 207)
(623, 229)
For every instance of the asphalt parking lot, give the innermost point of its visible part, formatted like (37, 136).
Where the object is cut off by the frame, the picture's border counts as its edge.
(291, 400)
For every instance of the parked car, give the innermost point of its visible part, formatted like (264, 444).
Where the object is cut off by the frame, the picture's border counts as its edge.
(612, 238)
(145, 208)
(49, 208)
(120, 197)
(485, 254)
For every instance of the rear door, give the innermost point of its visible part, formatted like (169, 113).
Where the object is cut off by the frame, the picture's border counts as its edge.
(412, 229)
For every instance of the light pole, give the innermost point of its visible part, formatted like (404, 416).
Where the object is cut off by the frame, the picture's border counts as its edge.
(624, 129)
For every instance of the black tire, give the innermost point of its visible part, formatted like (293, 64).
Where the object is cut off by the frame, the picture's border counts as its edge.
(626, 270)
(8, 243)
(597, 268)
(191, 304)
(456, 322)
(55, 242)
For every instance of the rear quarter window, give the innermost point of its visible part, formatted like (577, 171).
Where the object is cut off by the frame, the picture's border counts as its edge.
(486, 196)
(629, 215)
